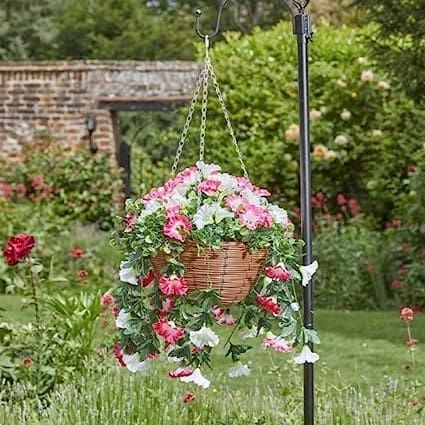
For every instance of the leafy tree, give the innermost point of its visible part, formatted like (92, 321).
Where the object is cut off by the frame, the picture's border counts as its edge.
(399, 40)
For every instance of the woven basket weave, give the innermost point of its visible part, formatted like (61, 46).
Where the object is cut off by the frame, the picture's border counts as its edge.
(231, 270)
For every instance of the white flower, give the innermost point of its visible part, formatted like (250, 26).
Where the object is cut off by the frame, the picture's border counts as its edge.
(205, 337)
(172, 359)
(315, 113)
(252, 198)
(252, 333)
(295, 306)
(279, 215)
(376, 133)
(306, 356)
(292, 134)
(122, 319)
(383, 85)
(362, 60)
(345, 115)
(207, 169)
(210, 214)
(150, 208)
(341, 83)
(228, 183)
(341, 140)
(134, 364)
(367, 76)
(307, 272)
(197, 378)
(239, 370)
(127, 274)
(177, 200)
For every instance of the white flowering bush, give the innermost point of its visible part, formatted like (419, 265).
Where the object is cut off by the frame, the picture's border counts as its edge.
(158, 315)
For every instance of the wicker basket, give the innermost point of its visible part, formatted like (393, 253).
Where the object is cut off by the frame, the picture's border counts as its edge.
(231, 270)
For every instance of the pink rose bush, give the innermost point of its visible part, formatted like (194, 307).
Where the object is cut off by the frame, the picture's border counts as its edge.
(160, 316)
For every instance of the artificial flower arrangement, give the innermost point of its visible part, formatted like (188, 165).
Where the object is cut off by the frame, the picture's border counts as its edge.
(174, 290)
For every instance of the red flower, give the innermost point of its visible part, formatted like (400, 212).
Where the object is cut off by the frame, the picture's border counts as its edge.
(411, 170)
(188, 397)
(20, 190)
(6, 190)
(18, 247)
(76, 253)
(278, 273)
(406, 314)
(130, 222)
(37, 182)
(397, 284)
(27, 362)
(82, 275)
(168, 331)
(107, 300)
(173, 285)
(119, 355)
(147, 280)
(318, 200)
(353, 206)
(269, 304)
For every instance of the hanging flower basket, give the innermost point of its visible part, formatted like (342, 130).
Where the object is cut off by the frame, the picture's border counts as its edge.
(207, 250)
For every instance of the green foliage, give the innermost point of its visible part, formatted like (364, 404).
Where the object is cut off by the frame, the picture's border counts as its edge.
(351, 263)
(397, 41)
(380, 126)
(73, 185)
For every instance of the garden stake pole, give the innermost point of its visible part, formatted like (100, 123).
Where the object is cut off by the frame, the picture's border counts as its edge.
(303, 31)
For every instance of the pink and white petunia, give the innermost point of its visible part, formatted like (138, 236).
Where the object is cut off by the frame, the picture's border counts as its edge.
(269, 304)
(277, 343)
(145, 281)
(210, 187)
(173, 285)
(181, 372)
(253, 217)
(218, 312)
(236, 203)
(227, 320)
(197, 378)
(205, 337)
(177, 227)
(279, 273)
(306, 356)
(168, 331)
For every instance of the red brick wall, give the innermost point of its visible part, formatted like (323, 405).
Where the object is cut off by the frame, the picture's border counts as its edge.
(58, 96)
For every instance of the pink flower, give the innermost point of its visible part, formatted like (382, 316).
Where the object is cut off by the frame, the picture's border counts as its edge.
(145, 281)
(167, 306)
(278, 344)
(269, 304)
(253, 217)
(27, 362)
(341, 200)
(168, 331)
(244, 183)
(188, 397)
(21, 190)
(411, 170)
(278, 273)
(227, 320)
(397, 284)
(37, 182)
(353, 206)
(173, 285)
(217, 312)
(406, 314)
(209, 187)
(181, 372)
(130, 222)
(83, 275)
(107, 300)
(236, 202)
(187, 176)
(6, 190)
(318, 200)
(177, 227)
(412, 342)
(119, 355)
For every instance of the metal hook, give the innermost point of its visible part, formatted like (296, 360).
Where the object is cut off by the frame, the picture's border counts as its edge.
(296, 4)
(198, 14)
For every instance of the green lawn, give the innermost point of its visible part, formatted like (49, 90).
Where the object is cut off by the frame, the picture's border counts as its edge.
(357, 347)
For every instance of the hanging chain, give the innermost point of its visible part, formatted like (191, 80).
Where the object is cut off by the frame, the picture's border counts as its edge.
(189, 117)
(203, 83)
(227, 118)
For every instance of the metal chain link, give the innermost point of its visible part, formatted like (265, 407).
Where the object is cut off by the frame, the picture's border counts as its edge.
(227, 118)
(203, 82)
(199, 85)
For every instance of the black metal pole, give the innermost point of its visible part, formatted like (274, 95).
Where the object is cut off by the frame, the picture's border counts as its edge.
(302, 29)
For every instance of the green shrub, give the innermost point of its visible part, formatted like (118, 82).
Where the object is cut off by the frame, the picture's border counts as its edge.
(350, 273)
(76, 185)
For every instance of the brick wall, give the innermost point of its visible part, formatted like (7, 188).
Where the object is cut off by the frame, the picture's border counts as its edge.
(58, 96)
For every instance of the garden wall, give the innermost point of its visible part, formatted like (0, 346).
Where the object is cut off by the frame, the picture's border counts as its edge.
(58, 97)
